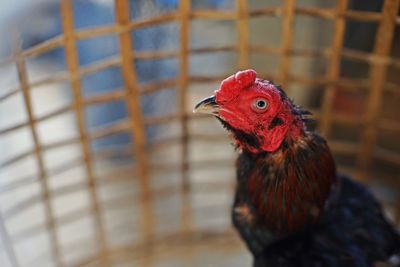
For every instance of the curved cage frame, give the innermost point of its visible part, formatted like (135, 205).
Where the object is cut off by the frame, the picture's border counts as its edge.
(366, 150)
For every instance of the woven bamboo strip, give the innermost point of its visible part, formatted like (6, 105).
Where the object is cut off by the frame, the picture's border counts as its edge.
(307, 52)
(389, 125)
(333, 72)
(270, 11)
(353, 84)
(97, 66)
(208, 79)
(17, 158)
(111, 152)
(62, 220)
(325, 13)
(317, 81)
(340, 147)
(362, 56)
(344, 119)
(13, 128)
(27, 180)
(59, 77)
(9, 94)
(8, 244)
(110, 130)
(392, 88)
(347, 119)
(147, 22)
(44, 47)
(7, 61)
(184, 35)
(61, 143)
(362, 15)
(316, 12)
(119, 202)
(213, 14)
(162, 245)
(162, 119)
(224, 48)
(73, 68)
(23, 205)
(31, 201)
(302, 52)
(115, 95)
(116, 127)
(150, 55)
(382, 47)
(99, 99)
(43, 177)
(287, 35)
(93, 32)
(264, 49)
(387, 155)
(337, 146)
(158, 85)
(346, 84)
(242, 33)
(135, 115)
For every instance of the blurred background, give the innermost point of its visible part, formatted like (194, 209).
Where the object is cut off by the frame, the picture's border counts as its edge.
(102, 162)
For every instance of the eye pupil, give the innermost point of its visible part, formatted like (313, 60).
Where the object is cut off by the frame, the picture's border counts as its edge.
(259, 105)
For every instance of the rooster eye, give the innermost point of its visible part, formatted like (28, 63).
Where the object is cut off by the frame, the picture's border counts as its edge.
(260, 104)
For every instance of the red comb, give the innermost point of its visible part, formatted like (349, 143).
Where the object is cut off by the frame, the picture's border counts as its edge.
(232, 85)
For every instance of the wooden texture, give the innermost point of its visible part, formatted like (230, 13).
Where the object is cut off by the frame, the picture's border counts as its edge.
(45, 196)
(242, 33)
(382, 47)
(135, 114)
(333, 72)
(287, 39)
(73, 68)
(183, 83)
(367, 152)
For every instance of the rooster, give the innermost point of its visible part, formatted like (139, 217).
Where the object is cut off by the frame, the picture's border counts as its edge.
(291, 207)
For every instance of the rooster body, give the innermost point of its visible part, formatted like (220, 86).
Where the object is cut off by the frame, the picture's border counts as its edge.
(291, 208)
(350, 230)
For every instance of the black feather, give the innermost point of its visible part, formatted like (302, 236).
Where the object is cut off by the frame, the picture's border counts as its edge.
(249, 139)
(351, 230)
(275, 122)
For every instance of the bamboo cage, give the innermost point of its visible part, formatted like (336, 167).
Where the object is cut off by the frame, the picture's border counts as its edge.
(199, 229)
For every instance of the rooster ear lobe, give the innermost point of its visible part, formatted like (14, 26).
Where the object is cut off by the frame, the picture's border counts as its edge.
(274, 138)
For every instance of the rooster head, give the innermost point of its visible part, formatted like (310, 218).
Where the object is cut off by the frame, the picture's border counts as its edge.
(257, 112)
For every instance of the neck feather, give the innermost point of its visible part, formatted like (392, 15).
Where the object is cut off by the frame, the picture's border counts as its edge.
(289, 187)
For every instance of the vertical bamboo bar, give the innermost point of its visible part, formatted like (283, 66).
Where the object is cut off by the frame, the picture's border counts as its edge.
(242, 26)
(184, 35)
(73, 69)
(184, 11)
(135, 113)
(382, 47)
(43, 177)
(288, 14)
(7, 244)
(333, 72)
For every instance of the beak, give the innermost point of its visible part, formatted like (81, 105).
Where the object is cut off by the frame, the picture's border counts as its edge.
(207, 106)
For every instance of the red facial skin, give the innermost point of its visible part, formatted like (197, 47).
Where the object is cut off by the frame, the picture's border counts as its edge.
(236, 97)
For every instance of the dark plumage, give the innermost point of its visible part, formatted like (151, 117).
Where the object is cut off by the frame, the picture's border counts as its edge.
(350, 231)
(291, 208)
